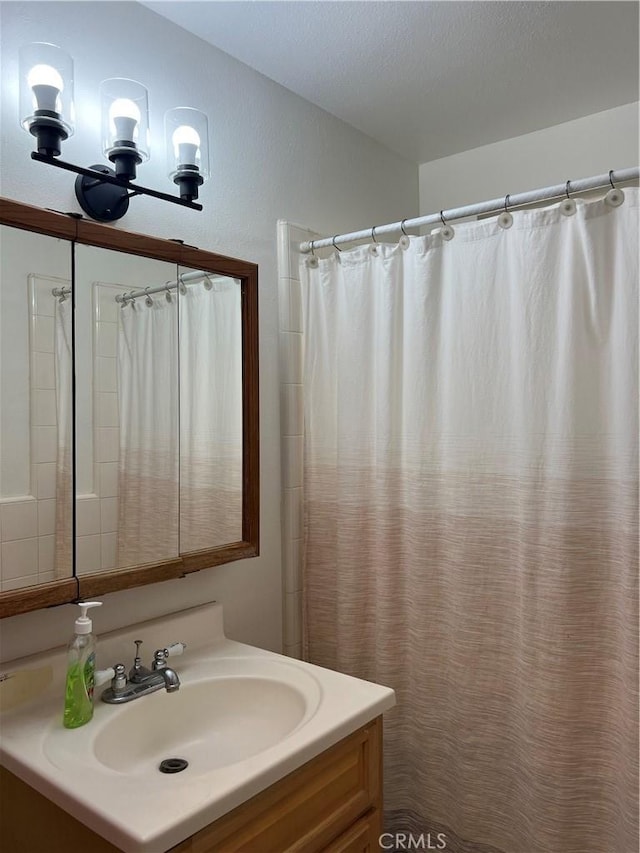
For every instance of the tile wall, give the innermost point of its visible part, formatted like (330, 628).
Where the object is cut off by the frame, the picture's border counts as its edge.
(291, 429)
(97, 520)
(28, 522)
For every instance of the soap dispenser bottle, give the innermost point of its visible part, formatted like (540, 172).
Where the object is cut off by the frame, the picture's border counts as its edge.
(81, 664)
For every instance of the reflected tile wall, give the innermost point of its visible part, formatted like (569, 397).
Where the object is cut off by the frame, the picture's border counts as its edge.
(27, 522)
(98, 512)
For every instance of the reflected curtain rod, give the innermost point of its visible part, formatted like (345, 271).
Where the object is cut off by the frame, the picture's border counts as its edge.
(495, 205)
(184, 278)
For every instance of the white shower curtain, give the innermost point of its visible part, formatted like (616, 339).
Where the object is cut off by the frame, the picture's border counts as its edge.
(471, 520)
(148, 406)
(63, 318)
(210, 414)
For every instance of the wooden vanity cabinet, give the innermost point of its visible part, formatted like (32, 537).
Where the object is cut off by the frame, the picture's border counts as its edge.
(332, 804)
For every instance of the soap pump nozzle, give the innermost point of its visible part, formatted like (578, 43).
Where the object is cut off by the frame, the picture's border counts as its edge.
(83, 623)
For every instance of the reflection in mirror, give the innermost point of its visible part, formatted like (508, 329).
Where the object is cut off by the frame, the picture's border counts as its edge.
(210, 342)
(36, 497)
(127, 411)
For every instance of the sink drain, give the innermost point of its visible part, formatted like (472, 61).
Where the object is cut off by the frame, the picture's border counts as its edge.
(173, 765)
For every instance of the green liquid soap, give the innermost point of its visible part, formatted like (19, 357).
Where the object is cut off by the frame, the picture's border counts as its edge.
(78, 700)
(81, 667)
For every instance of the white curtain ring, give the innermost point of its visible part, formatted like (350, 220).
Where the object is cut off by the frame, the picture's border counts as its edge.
(446, 231)
(614, 197)
(567, 206)
(404, 242)
(505, 220)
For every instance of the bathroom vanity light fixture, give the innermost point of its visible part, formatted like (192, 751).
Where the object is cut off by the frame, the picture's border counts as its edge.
(47, 112)
(186, 138)
(46, 96)
(125, 125)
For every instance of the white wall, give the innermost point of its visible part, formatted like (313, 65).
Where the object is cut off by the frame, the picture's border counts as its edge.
(273, 155)
(576, 149)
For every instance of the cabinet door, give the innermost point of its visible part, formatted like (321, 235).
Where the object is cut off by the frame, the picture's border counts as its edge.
(362, 837)
(308, 809)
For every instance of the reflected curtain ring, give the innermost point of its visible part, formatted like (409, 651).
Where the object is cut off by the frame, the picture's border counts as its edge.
(181, 285)
(208, 284)
(148, 300)
(167, 294)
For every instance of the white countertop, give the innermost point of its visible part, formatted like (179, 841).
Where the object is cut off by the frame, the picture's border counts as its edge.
(141, 810)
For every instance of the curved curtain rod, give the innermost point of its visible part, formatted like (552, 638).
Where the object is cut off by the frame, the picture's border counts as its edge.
(495, 205)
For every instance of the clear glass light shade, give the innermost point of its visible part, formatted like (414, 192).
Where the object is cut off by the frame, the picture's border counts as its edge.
(125, 117)
(46, 88)
(186, 132)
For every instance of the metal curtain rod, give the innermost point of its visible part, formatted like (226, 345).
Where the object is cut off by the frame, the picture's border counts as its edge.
(184, 278)
(496, 205)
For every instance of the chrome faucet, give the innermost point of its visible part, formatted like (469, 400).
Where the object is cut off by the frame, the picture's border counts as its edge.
(141, 680)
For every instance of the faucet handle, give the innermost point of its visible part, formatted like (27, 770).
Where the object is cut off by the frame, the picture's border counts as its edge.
(119, 678)
(175, 649)
(160, 659)
(115, 674)
(137, 662)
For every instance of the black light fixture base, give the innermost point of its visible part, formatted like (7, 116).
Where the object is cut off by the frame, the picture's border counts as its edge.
(116, 207)
(102, 201)
(188, 184)
(48, 136)
(125, 158)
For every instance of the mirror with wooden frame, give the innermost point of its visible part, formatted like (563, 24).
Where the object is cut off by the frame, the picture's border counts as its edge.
(129, 444)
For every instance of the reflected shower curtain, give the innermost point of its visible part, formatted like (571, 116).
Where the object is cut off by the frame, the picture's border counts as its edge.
(148, 404)
(210, 414)
(63, 315)
(471, 521)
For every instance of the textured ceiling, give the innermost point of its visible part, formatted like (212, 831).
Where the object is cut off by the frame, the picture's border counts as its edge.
(428, 79)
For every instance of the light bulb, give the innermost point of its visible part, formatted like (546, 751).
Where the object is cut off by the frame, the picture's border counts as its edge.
(186, 142)
(46, 84)
(124, 115)
(45, 75)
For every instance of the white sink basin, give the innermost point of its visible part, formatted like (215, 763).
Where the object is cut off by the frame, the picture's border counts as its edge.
(227, 710)
(243, 718)
(210, 724)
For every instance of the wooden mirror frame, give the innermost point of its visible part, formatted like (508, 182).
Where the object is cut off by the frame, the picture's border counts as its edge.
(85, 232)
